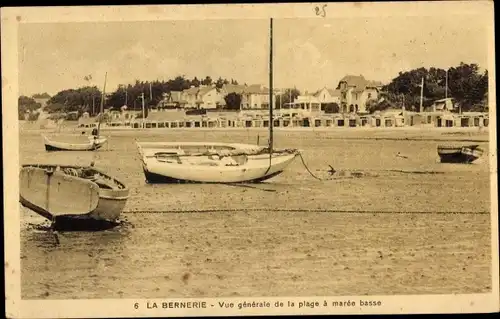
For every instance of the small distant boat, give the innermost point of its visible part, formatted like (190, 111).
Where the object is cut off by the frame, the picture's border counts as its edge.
(94, 143)
(459, 153)
(198, 162)
(72, 197)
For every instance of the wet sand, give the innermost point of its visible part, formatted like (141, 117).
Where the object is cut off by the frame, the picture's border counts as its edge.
(400, 226)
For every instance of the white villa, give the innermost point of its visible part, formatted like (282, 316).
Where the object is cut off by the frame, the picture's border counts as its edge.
(355, 92)
(254, 96)
(313, 103)
(202, 97)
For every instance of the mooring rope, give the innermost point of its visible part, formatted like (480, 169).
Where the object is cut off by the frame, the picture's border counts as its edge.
(308, 170)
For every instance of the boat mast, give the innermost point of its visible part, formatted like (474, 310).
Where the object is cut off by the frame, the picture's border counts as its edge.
(446, 87)
(421, 93)
(102, 105)
(271, 89)
(143, 113)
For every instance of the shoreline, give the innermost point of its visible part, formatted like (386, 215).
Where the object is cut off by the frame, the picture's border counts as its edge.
(474, 135)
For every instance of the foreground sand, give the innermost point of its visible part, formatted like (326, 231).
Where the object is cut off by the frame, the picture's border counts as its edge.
(407, 225)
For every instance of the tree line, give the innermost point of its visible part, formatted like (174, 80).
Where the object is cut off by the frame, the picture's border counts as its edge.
(27, 107)
(464, 83)
(88, 98)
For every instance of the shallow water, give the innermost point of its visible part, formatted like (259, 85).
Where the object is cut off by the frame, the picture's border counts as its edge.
(293, 235)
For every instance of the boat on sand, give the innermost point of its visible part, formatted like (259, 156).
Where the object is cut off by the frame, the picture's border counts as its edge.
(198, 162)
(93, 143)
(72, 197)
(465, 154)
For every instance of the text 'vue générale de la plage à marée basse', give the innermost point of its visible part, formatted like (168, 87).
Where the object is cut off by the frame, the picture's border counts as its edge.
(260, 304)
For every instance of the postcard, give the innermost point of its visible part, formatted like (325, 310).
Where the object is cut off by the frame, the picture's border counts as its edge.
(250, 159)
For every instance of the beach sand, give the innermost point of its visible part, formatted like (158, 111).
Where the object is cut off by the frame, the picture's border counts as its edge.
(400, 226)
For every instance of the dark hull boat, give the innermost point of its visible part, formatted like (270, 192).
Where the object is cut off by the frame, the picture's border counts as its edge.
(464, 154)
(72, 197)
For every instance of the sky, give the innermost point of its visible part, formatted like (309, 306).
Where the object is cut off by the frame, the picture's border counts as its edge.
(308, 53)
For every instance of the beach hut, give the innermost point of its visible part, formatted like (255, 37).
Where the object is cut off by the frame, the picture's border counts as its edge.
(475, 119)
(287, 121)
(364, 120)
(328, 121)
(340, 121)
(376, 120)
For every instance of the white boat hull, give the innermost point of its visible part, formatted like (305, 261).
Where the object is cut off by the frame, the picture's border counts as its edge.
(242, 164)
(93, 144)
(72, 202)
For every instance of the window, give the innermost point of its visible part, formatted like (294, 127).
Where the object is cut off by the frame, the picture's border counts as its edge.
(369, 95)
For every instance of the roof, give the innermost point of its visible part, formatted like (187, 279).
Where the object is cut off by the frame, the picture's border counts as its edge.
(233, 88)
(444, 100)
(245, 89)
(202, 90)
(175, 96)
(359, 82)
(332, 92)
(167, 115)
(256, 89)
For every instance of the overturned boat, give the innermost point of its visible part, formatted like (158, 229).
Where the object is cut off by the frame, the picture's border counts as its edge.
(465, 154)
(93, 143)
(72, 197)
(198, 162)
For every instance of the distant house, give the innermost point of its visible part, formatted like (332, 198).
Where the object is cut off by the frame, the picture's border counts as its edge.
(305, 104)
(254, 96)
(42, 100)
(327, 96)
(170, 100)
(203, 97)
(355, 91)
(443, 105)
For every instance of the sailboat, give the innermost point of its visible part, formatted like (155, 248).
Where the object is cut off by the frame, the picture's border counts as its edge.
(209, 162)
(90, 143)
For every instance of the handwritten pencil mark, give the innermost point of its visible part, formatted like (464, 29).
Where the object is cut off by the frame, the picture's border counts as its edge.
(321, 11)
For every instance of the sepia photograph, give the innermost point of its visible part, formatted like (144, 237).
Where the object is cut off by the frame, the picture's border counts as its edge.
(321, 158)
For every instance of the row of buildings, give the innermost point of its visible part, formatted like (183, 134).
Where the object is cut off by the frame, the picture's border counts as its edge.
(200, 107)
(351, 95)
(179, 118)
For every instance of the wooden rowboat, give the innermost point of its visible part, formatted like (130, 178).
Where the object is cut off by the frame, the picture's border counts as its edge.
(72, 197)
(93, 143)
(459, 153)
(198, 162)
